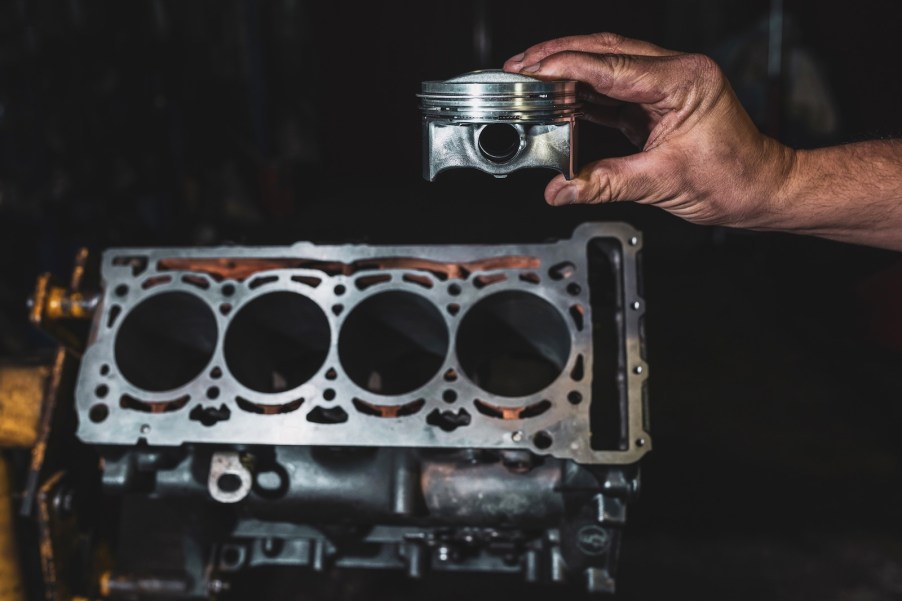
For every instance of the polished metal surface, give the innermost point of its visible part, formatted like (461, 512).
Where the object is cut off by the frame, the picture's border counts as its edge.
(495, 94)
(498, 122)
(479, 346)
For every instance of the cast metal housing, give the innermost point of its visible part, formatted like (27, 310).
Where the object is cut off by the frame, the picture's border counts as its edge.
(459, 408)
(498, 122)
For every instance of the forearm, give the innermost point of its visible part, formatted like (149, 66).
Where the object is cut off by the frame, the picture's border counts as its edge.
(851, 193)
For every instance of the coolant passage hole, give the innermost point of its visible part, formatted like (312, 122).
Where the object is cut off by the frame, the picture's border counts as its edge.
(499, 142)
(513, 343)
(393, 343)
(277, 342)
(165, 341)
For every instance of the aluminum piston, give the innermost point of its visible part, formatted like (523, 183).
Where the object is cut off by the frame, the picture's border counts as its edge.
(498, 122)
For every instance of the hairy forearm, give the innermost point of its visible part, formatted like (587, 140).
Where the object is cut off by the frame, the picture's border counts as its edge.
(851, 193)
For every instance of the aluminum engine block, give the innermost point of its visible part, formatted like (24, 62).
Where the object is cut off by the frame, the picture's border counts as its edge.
(472, 407)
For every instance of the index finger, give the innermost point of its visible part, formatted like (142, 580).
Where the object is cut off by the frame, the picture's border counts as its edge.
(637, 79)
(596, 43)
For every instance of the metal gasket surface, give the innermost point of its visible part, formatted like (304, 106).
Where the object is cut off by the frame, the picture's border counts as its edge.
(485, 346)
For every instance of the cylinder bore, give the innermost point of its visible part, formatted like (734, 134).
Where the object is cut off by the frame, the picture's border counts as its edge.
(277, 342)
(165, 341)
(513, 343)
(499, 142)
(393, 343)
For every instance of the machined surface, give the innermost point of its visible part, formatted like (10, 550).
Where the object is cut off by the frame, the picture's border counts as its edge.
(498, 122)
(493, 94)
(479, 346)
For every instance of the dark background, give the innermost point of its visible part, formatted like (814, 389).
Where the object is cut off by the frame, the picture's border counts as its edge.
(776, 360)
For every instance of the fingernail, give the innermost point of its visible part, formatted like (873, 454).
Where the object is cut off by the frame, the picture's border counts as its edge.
(531, 68)
(565, 196)
(518, 58)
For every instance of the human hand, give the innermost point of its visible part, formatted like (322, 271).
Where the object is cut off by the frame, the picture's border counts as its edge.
(702, 159)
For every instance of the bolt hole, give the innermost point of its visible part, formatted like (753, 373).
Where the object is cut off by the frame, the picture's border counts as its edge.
(229, 483)
(542, 440)
(121, 290)
(575, 397)
(454, 289)
(213, 392)
(104, 370)
(449, 396)
(329, 394)
(228, 290)
(340, 289)
(215, 373)
(101, 391)
(574, 289)
(99, 413)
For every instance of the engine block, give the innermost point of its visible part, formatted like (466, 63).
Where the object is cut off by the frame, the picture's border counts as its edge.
(450, 398)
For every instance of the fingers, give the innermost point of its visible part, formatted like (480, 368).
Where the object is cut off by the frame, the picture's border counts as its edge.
(638, 177)
(596, 43)
(637, 79)
(628, 78)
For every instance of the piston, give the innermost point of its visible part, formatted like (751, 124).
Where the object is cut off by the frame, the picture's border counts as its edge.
(498, 122)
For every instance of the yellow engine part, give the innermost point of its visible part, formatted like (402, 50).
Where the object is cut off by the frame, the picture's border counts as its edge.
(21, 397)
(11, 588)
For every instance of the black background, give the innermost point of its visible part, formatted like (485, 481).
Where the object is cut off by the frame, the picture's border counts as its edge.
(775, 358)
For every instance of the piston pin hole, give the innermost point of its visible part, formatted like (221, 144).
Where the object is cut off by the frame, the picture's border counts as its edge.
(499, 142)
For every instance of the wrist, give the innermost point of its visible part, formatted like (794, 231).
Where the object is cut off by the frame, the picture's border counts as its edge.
(778, 188)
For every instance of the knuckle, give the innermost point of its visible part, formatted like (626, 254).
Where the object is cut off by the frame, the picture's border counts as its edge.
(615, 67)
(567, 62)
(703, 67)
(609, 40)
(708, 81)
(554, 46)
(603, 188)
